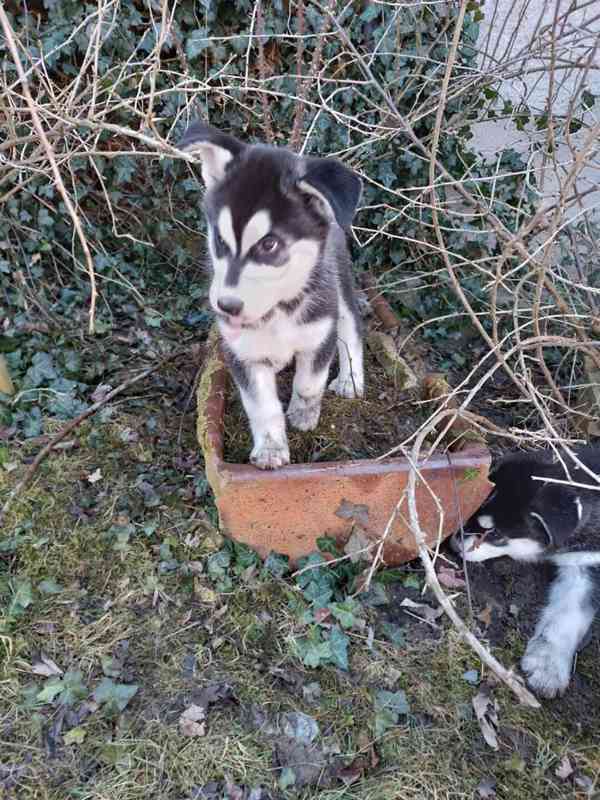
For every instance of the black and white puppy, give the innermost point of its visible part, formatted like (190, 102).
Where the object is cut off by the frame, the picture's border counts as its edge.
(282, 283)
(546, 522)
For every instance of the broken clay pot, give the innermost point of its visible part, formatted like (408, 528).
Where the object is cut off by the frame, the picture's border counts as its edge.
(287, 510)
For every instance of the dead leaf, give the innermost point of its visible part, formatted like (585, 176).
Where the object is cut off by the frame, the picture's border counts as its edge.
(358, 546)
(450, 578)
(46, 667)
(485, 616)
(100, 392)
(356, 511)
(428, 613)
(486, 789)
(95, 476)
(564, 769)
(486, 711)
(191, 722)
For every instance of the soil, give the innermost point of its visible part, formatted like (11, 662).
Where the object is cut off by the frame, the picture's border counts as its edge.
(507, 599)
(348, 429)
(515, 594)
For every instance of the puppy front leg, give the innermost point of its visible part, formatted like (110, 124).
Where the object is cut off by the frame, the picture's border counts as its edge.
(265, 414)
(350, 381)
(561, 630)
(310, 379)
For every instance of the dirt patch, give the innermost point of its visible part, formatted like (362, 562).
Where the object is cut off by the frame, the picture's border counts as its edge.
(511, 595)
(348, 429)
(507, 599)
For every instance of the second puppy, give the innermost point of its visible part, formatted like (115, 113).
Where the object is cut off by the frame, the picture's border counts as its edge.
(528, 517)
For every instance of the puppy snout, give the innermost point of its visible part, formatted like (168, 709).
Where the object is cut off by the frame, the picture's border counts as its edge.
(230, 305)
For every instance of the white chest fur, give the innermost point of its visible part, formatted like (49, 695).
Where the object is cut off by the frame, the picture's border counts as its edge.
(278, 340)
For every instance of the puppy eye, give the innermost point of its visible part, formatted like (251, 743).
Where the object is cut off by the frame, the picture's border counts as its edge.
(268, 245)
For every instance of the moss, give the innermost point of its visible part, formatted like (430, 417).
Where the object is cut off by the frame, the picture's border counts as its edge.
(348, 429)
(176, 639)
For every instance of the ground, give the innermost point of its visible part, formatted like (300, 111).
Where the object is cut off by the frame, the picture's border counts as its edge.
(120, 614)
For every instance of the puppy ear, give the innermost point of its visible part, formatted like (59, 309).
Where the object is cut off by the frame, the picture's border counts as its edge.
(336, 186)
(214, 148)
(558, 510)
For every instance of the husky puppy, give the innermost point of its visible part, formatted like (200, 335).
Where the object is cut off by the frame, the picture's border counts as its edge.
(558, 524)
(282, 282)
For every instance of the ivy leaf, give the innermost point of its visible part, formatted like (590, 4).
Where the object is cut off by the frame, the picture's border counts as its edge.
(114, 696)
(312, 650)
(52, 688)
(394, 633)
(388, 708)
(69, 689)
(42, 371)
(196, 43)
(124, 169)
(49, 586)
(347, 613)
(22, 598)
(317, 582)
(338, 642)
(277, 565)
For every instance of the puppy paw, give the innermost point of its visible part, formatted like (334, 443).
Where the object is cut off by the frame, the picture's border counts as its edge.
(547, 667)
(270, 454)
(303, 416)
(348, 386)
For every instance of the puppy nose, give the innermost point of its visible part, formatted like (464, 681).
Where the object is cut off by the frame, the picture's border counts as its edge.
(230, 305)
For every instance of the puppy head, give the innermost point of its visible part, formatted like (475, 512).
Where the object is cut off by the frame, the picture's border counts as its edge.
(523, 518)
(269, 213)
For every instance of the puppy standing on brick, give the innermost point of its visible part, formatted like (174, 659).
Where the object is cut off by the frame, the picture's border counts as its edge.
(282, 282)
(556, 523)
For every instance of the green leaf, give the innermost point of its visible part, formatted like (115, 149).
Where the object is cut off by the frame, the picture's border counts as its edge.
(111, 667)
(22, 598)
(75, 736)
(394, 633)
(218, 564)
(277, 565)
(50, 586)
(312, 650)
(196, 43)
(114, 696)
(412, 582)
(73, 688)
(338, 642)
(69, 689)
(52, 688)
(388, 708)
(41, 372)
(287, 778)
(124, 169)
(347, 613)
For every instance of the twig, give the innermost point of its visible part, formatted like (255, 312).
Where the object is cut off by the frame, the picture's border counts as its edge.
(506, 676)
(262, 71)
(10, 38)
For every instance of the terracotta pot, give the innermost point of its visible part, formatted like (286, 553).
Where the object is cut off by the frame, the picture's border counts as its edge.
(288, 509)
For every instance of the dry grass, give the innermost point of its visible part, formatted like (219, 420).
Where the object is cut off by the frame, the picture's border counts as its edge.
(179, 634)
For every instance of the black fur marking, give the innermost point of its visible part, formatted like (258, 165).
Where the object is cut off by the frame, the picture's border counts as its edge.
(238, 369)
(199, 132)
(325, 352)
(290, 306)
(234, 271)
(543, 510)
(339, 185)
